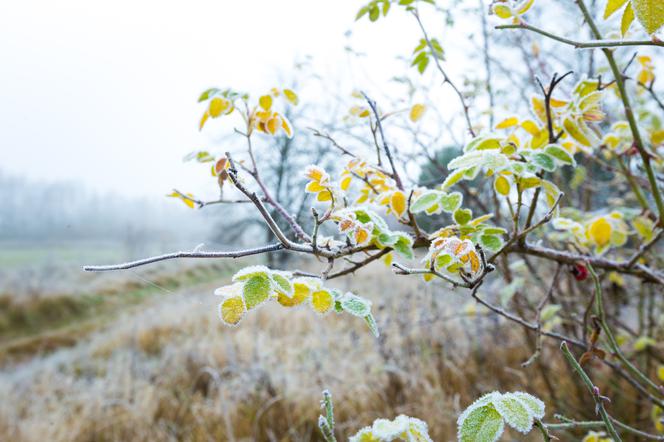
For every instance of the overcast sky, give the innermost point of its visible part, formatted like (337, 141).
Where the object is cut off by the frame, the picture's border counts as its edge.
(104, 92)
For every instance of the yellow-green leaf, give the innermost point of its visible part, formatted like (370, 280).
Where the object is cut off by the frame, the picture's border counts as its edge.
(612, 6)
(231, 310)
(627, 19)
(502, 185)
(650, 14)
(291, 97)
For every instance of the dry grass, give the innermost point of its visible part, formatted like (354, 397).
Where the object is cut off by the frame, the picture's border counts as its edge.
(171, 371)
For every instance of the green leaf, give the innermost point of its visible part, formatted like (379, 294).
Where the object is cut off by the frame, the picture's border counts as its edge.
(516, 414)
(422, 65)
(644, 227)
(480, 424)
(544, 161)
(256, 290)
(453, 178)
(251, 271)
(483, 158)
(451, 202)
(282, 284)
(387, 239)
(207, 94)
(424, 201)
(549, 312)
(560, 154)
(535, 405)
(371, 322)
(363, 10)
(650, 14)
(462, 216)
(374, 13)
(404, 246)
(356, 305)
(492, 243)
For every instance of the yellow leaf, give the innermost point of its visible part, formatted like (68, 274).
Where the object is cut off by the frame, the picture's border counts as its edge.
(502, 185)
(314, 187)
(273, 124)
(286, 126)
(361, 236)
(660, 372)
(322, 301)
(600, 232)
(657, 137)
(558, 103)
(507, 122)
(291, 97)
(627, 19)
(416, 112)
(300, 294)
(502, 11)
(650, 13)
(398, 202)
(345, 182)
(525, 7)
(231, 310)
(612, 6)
(474, 261)
(530, 127)
(203, 120)
(573, 129)
(325, 195)
(265, 102)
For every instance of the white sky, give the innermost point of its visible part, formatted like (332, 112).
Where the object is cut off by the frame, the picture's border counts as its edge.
(104, 92)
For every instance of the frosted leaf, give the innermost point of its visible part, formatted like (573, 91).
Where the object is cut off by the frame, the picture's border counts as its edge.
(256, 290)
(250, 271)
(480, 422)
(371, 322)
(231, 310)
(282, 284)
(650, 13)
(451, 202)
(356, 305)
(483, 158)
(388, 430)
(229, 290)
(364, 435)
(535, 405)
(404, 245)
(418, 431)
(515, 412)
(424, 201)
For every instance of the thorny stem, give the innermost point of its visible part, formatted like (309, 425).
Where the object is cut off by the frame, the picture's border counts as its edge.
(599, 400)
(599, 306)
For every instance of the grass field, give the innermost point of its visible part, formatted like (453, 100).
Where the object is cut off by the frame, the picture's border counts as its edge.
(142, 363)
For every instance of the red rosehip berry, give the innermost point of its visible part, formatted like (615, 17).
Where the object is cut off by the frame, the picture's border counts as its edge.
(580, 272)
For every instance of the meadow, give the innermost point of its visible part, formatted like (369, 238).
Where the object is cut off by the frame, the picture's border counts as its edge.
(142, 356)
